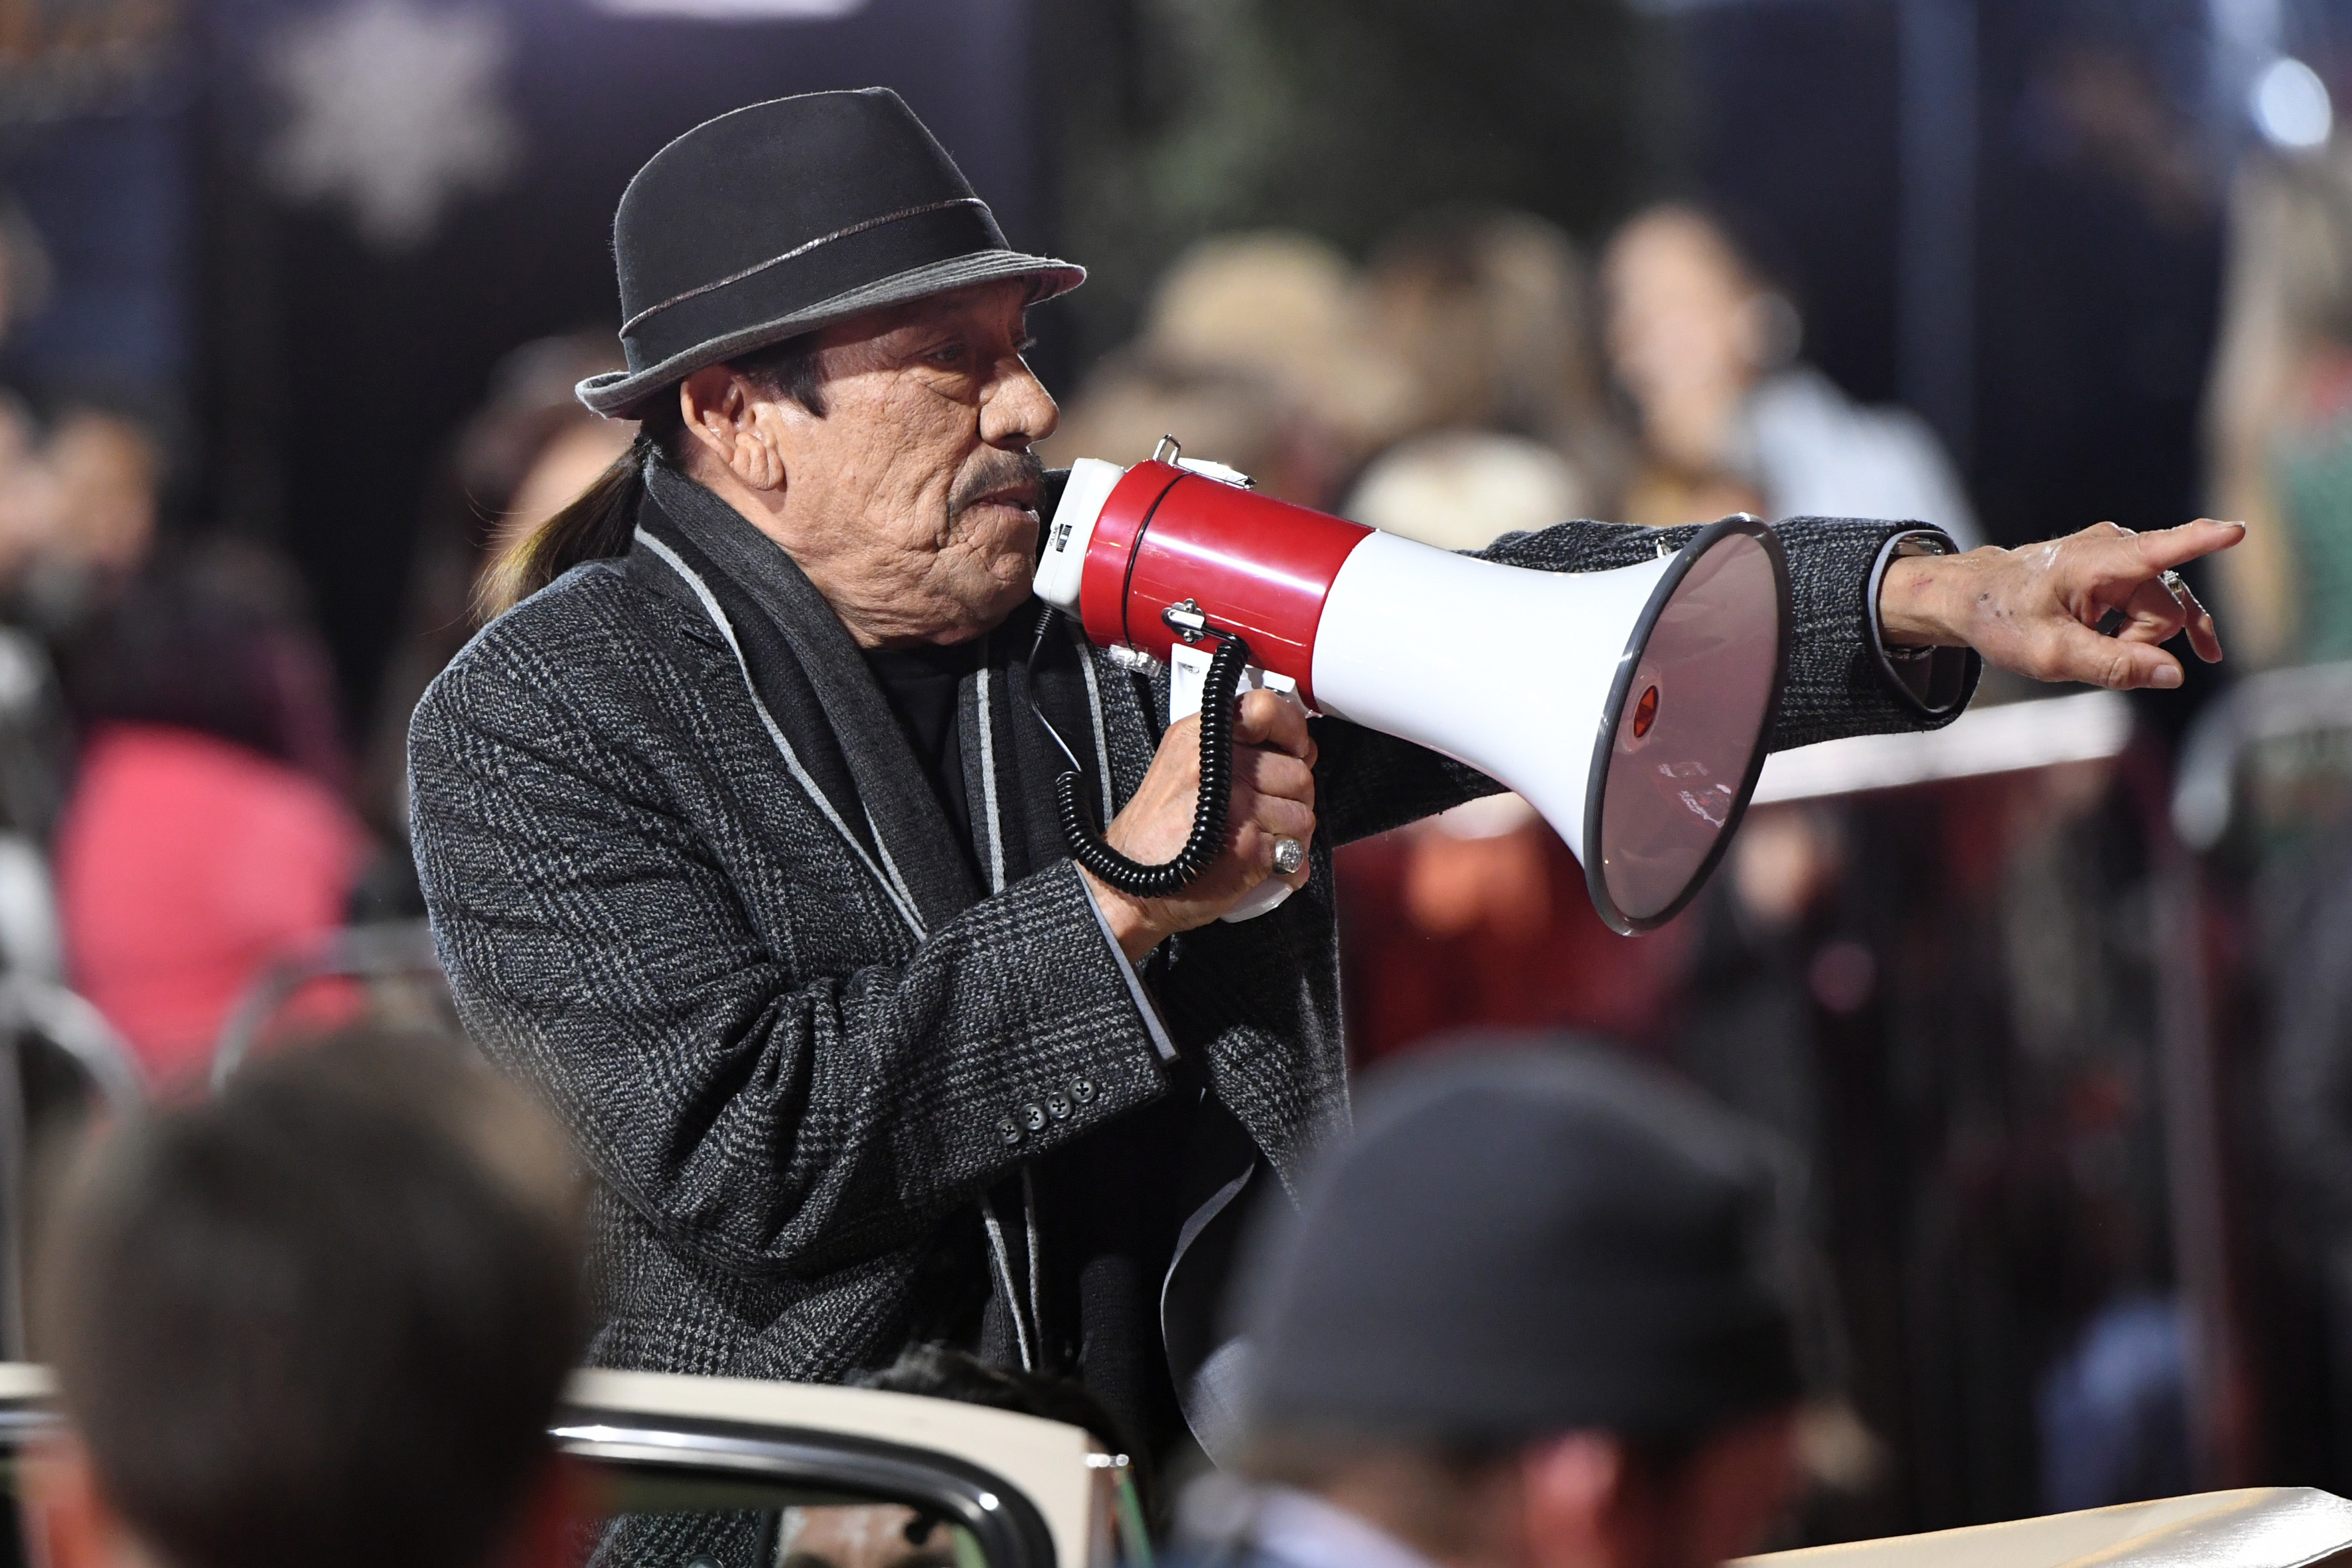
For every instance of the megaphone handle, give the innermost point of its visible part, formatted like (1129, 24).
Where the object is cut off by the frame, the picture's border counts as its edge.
(1208, 835)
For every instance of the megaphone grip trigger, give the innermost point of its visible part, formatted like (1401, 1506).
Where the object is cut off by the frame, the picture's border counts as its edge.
(1207, 837)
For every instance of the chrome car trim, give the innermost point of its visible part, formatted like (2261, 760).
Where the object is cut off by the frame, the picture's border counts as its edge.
(1010, 1530)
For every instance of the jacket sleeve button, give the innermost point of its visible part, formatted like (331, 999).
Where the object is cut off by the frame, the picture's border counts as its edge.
(1058, 1105)
(1008, 1130)
(1033, 1116)
(1081, 1090)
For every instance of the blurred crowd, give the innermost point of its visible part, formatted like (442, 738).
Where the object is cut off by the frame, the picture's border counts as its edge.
(187, 804)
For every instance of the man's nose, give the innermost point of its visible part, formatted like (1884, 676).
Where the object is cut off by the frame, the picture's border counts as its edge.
(1018, 411)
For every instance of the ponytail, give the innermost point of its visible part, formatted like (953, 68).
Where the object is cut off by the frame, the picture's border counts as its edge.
(602, 523)
(597, 525)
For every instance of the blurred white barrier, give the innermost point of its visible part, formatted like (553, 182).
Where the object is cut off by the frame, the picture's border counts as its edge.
(2261, 1527)
(2088, 727)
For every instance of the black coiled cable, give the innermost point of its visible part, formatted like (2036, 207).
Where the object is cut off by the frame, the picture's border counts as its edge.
(1207, 839)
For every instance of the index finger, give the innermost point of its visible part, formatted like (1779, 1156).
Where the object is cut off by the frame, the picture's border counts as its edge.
(2167, 548)
(1269, 718)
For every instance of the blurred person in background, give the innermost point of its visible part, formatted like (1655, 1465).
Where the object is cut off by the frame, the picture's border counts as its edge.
(78, 512)
(1763, 952)
(29, 498)
(1490, 312)
(2279, 427)
(206, 834)
(79, 495)
(522, 456)
(79, 479)
(1543, 1308)
(1463, 489)
(1731, 421)
(107, 472)
(1242, 420)
(1287, 311)
(2279, 405)
(1479, 915)
(324, 1316)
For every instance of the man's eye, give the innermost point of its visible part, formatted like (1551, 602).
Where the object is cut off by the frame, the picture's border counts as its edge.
(947, 354)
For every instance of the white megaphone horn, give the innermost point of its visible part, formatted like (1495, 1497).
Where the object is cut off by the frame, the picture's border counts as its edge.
(1630, 706)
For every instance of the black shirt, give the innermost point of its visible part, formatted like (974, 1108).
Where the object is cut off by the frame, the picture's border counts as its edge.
(922, 685)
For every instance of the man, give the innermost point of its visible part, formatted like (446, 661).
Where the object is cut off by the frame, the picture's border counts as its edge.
(740, 839)
(1539, 1313)
(324, 1317)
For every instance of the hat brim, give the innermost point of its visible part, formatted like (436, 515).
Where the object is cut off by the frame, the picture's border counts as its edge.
(622, 394)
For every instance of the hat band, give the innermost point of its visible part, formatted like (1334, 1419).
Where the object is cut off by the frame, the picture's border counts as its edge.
(630, 325)
(833, 264)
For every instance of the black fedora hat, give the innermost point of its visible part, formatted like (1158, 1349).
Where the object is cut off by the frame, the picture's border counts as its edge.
(787, 216)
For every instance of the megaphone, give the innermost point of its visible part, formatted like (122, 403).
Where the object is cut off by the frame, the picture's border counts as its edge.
(1631, 707)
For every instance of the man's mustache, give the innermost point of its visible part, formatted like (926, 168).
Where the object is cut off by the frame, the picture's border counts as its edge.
(1023, 472)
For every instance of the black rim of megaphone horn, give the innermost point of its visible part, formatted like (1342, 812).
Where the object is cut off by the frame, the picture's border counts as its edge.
(1596, 786)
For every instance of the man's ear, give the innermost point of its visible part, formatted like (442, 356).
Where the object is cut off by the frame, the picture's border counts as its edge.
(68, 1524)
(733, 426)
(1579, 1511)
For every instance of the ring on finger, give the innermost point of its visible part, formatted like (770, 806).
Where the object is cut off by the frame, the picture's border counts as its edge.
(2173, 585)
(1289, 855)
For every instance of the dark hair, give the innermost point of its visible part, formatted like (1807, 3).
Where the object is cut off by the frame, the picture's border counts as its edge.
(213, 636)
(1753, 242)
(328, 1312)
(598, 525)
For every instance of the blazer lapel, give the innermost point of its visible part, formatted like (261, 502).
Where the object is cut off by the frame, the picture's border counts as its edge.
(1027, 762)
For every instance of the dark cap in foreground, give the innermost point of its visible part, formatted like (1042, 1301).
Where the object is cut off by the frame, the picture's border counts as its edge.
(1523, 1241)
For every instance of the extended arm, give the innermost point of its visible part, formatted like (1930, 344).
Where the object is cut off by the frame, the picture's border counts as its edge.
(1841, 681)
(1884, 640)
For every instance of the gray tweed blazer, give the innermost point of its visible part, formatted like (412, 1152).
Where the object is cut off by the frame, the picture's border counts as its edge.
(783, 1092)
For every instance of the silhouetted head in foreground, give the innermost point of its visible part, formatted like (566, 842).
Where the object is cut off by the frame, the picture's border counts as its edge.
(322, 1318)
(1539, 1312)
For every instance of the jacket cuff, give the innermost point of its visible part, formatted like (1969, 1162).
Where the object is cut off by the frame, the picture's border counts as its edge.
(1144, 1008)
(1934, 683)
(1088, 1058)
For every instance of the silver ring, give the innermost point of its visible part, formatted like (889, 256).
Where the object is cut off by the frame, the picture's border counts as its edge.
(2173, 585)
(1289, 855)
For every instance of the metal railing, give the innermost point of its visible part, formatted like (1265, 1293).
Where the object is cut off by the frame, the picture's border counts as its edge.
(389, 952)
(32, 1007)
